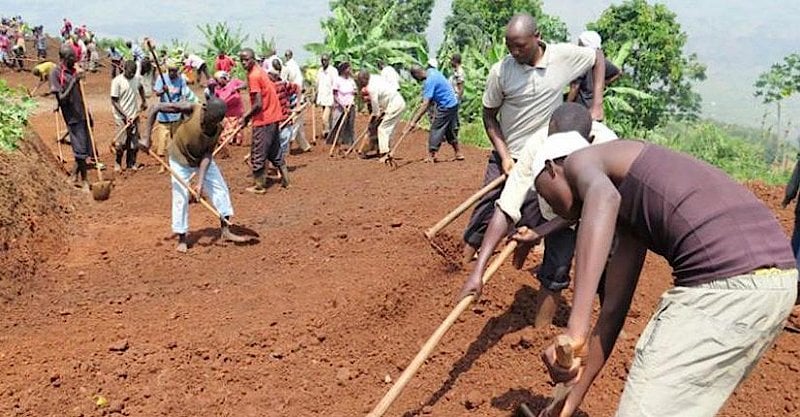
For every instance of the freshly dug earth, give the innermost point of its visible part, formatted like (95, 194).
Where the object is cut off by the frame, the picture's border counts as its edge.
(34, 204)
(318, 318)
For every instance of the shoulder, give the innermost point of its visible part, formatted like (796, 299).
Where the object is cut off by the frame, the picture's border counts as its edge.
(568, 50)
(504, 66)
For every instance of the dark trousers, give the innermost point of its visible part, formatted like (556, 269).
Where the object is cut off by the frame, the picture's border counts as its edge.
(266, 146)
(128, 145)
(443, 127)
(796, 234)
(79, 139)
(344, 124)
(559, 246)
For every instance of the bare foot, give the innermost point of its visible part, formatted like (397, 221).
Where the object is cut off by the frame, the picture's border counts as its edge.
(229, 236)
(182, 247)
(546, 305)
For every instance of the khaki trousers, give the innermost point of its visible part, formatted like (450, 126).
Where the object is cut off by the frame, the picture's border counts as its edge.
(703, 341)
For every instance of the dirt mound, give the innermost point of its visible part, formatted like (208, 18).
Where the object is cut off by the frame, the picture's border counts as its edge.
(33, 212)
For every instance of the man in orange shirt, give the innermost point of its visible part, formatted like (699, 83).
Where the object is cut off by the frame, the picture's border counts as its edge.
(265, 112)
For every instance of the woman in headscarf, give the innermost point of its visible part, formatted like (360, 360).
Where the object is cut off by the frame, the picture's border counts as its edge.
(344, 91)
(227, 90)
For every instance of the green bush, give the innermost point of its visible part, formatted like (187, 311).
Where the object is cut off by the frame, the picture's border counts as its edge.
(15, 106)
(741, 158)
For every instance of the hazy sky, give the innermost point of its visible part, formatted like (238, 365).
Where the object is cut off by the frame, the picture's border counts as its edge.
(736, 39)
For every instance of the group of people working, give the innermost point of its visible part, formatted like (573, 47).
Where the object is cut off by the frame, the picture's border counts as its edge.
(609, 199)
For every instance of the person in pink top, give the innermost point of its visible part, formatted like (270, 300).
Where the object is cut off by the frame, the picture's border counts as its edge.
(227, 89)
(344, 113)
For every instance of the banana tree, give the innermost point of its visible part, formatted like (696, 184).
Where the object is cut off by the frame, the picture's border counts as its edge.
(221, 38)
(347, 40)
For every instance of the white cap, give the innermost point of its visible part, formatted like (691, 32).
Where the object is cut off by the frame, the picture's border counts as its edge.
(557, 146)
(591, 39)
(432, 62)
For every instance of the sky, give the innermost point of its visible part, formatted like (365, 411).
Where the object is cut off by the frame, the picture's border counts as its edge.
(736, 39)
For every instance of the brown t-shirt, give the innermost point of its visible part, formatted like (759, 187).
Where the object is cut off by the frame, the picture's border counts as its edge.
(189, 144)
(706, 225)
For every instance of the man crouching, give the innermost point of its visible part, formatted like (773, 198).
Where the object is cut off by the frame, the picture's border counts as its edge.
(194, 138)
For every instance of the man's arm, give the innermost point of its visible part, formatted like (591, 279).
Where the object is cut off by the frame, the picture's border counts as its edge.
(178, 107)
(254, 109)
(601, 202)
(115, 104)
(423, 108)
(498, 228)
(201, 172)
(573, 91)
(143, 107)
(599, 79)
(793, 185)
(495, 133)
(62, 94)
(622, 276)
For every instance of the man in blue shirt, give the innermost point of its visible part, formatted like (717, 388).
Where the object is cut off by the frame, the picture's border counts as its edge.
(444, 126)
(174, 91)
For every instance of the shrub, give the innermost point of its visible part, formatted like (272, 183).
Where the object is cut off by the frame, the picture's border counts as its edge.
(15, 106)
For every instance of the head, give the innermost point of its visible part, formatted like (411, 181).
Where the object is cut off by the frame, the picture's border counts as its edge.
(248, 58)
(418, 73)
(222, 78)
(274, 71)
(455, 60)
(67, 55)
(363, 78)
(325, 60)
(551, 183)
(128, 44)
(214, 112)
(522, 38)
(172, 69)
(221, 54)
(36, 73)
(344, 70)
(288, 54)
(590, 39)
(380, 63)
(433, 63)
(129, 71)
(571, 116)
(147, 65)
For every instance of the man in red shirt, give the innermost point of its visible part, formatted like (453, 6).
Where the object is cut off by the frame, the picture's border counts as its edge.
(224, 63)
(266, 113)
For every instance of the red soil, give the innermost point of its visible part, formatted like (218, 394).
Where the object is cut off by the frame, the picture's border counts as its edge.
(340, 292)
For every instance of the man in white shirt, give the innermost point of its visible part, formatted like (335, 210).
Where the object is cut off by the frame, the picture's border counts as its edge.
(325, 78)
(124, 90)
(291, 73)
(386, 106)
(389, 74)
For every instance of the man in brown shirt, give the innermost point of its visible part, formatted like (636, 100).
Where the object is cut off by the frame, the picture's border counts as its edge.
(194, 138)
(735, 276)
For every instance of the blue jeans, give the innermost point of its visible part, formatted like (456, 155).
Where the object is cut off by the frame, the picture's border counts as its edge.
(285, 139)
(214, 186)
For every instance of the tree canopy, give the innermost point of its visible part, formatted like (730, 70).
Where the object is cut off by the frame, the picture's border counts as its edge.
(411, 17)
(656, 63)
(480, 22)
